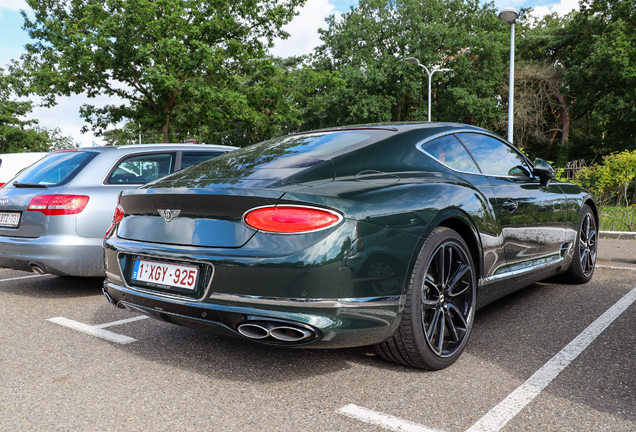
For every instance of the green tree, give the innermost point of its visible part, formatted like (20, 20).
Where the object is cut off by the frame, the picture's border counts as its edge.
(20, 135)
(273, 97)
(598, 51)
(367, 47)
(159, 56)
(286, 95)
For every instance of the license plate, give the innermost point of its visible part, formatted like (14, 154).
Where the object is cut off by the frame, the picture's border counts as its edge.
(11, 220)
(165, 275)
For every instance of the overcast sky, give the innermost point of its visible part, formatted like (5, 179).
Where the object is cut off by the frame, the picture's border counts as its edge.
(304, 37)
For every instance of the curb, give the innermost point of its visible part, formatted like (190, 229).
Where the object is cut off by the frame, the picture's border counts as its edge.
(620, 235)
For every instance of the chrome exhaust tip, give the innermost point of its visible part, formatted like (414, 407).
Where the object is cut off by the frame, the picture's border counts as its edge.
(108, 297)
(289, 334)
(37, 270)
(253, 331)
(277, 332)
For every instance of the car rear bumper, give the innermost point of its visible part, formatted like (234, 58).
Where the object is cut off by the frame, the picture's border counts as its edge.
(59, 255)
(331, 323)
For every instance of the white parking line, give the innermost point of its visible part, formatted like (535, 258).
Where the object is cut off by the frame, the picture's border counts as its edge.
(124, 321)
(98, 330)
(23, 277)
(616, 268)
(505, 411)
(510, 407)
(383, 420)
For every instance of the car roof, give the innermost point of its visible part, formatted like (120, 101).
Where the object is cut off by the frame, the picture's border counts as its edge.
(403, 127)
(151, 147)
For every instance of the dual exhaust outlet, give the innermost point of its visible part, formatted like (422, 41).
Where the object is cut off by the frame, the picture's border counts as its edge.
(276, 332)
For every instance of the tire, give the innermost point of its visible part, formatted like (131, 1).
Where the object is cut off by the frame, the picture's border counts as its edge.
(440, 305)
(585, 249)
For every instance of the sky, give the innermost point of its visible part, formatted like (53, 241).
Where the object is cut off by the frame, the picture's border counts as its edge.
(304, 38)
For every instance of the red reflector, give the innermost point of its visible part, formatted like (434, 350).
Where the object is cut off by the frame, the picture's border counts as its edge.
(1, 184)
(290, 219)
(54, 205)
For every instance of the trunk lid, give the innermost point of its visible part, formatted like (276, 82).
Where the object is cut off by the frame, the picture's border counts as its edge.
(15, 201)
(196, 217)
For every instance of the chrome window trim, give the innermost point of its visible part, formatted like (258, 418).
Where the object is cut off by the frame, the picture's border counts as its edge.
(420, 144)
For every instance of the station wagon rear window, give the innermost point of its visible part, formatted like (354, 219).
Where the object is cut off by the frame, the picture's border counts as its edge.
(56, 169)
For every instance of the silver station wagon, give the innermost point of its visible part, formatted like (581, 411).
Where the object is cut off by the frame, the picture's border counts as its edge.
(54, 214)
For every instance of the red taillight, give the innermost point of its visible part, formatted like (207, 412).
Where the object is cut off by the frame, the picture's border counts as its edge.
(118, 215)
(290, 219)
(54, 205)
(2, 184)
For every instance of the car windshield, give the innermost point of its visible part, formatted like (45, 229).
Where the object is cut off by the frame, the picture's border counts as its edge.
(55, 169)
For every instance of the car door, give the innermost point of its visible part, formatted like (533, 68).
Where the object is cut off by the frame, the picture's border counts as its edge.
(531, 214)
(128, 171)
(448, 150)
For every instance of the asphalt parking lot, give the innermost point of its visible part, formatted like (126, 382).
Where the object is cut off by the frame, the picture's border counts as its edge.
(551, 357)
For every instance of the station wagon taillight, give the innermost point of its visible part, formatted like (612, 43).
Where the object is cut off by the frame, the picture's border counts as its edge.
(290, 219)
(54, 205)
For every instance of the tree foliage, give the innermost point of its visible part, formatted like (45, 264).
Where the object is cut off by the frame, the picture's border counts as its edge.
(272, 97)
(194, 69)
(158, 56)
(368, 44)
(17, 134)
(597, 49)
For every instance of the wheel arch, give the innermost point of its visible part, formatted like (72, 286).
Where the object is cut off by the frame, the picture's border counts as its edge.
(590, 202)
(461, 223)
(468, 234)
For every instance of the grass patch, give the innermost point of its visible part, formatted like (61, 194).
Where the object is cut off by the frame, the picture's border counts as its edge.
(621, 220)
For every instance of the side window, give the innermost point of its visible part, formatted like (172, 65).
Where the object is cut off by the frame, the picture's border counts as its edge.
(494, 157)
(451, 152)
(142, 169)
(195, 157)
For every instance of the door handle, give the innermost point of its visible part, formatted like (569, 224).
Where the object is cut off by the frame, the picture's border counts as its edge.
(510, 205)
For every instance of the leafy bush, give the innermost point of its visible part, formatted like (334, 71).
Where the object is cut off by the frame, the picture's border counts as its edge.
(612, 183)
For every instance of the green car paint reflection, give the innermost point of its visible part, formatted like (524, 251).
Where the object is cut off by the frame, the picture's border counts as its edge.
(420, 242)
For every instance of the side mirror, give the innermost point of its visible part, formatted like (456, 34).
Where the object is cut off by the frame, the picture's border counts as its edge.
(543, 170)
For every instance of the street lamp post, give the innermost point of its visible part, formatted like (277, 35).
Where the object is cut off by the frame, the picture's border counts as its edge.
(416, 62)
(510, 16)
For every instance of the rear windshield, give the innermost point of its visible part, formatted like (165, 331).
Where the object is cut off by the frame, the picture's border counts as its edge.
(56, 169)
(296, 151)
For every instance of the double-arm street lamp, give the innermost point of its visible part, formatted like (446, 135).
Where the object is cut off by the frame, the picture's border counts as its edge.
(510, 16)
(416, 62)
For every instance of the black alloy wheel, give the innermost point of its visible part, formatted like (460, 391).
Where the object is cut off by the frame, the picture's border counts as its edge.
(585, 249)
(440, 306)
